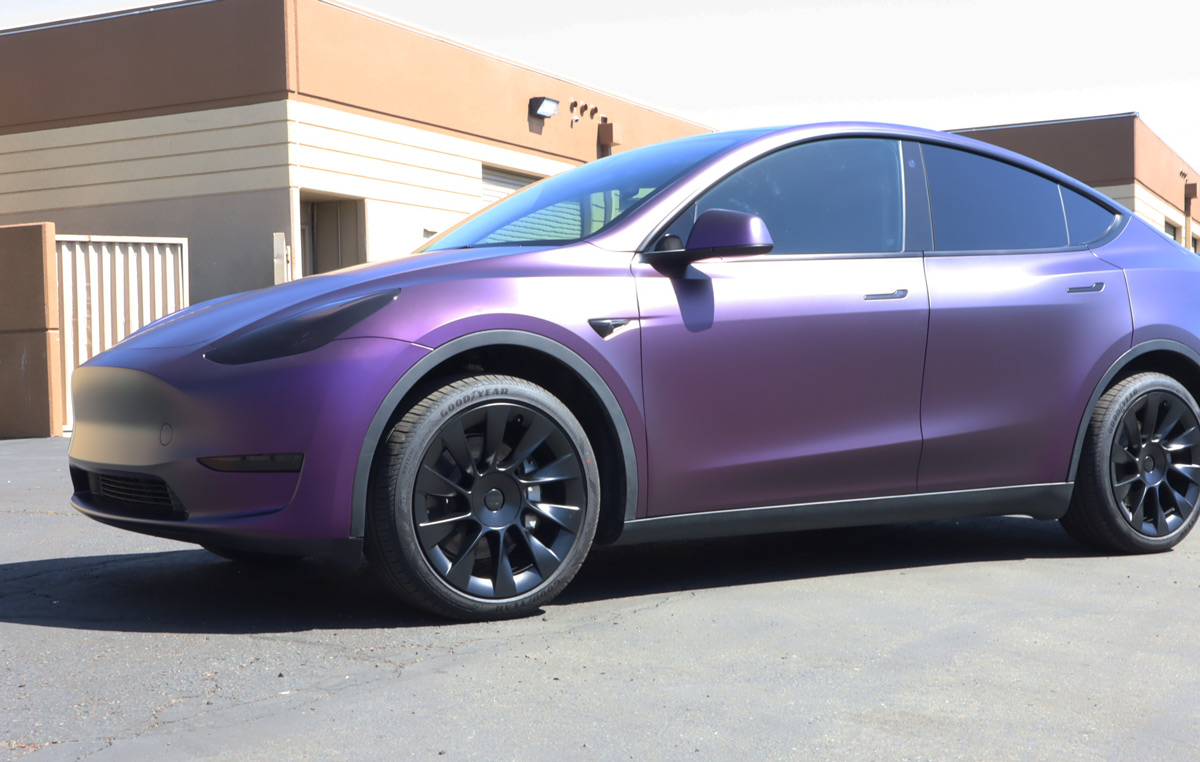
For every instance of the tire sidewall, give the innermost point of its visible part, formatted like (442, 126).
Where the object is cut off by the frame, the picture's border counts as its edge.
(426, 426)
(1106, 436)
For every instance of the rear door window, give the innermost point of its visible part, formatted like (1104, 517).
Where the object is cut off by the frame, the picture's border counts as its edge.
(981, 204)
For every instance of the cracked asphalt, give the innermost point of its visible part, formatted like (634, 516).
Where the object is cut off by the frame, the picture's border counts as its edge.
(974, 640)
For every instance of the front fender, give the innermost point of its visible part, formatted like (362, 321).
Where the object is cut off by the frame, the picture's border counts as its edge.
(453, 347)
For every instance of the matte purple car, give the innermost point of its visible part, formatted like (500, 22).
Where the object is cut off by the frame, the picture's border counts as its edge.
(735, 333)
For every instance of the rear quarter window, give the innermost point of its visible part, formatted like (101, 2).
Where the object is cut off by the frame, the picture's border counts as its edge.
(1086, 220)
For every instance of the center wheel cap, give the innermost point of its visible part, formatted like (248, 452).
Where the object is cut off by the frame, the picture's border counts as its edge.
(494, 500)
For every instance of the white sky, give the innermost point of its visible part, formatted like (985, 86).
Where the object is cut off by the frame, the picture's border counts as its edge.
(933, 63)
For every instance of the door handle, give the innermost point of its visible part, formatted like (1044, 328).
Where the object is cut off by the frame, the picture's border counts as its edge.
(899, 293)
(1098, 286)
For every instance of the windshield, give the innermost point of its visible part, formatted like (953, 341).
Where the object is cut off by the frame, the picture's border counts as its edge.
(586, 200)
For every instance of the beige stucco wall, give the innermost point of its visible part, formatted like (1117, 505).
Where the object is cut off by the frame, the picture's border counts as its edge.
(227, 179)
(216, 121)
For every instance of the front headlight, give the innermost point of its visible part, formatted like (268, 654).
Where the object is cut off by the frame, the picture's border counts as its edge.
(300, 333)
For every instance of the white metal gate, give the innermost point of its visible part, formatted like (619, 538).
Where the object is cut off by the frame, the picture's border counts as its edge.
(108, 287)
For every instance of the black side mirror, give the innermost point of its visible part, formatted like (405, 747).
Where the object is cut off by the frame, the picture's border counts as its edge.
(717, 233)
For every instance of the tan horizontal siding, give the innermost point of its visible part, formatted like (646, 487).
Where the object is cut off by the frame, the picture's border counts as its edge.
(107, 151)
(184, 166)
(371, 168)
(436, 150)
(382, 148)
(352, 186)
(177, 156)
(266, 178)
(146, 127)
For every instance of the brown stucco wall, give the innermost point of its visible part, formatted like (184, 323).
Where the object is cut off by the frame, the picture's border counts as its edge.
(1100, 151)
(182, 58)
(1094, 151)
(1159, 168)
(233, 52)
(363, 62)
(30, 356)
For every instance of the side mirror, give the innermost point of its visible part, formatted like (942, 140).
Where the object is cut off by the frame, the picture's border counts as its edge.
(717, 233)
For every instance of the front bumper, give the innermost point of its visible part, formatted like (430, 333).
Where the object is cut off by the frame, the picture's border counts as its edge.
(143, 418)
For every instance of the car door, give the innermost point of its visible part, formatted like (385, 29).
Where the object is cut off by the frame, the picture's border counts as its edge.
(794, 376)
(1024, 320)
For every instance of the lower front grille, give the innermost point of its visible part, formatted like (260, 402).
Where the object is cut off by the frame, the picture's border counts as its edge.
(137, 496)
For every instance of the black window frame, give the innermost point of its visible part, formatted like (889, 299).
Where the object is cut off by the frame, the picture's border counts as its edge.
(1120, 217)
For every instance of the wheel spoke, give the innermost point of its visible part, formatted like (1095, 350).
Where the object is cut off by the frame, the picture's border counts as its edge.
(1133, 433)
(454, 439)
(1137, 510)
(432, 533)
(561, 470)
(1121, 456)
(1150, 415)
(497, 419)
(1189, 438)
(1158, 516)
(566, 516)
(459, 573)
(1174, 412)
(1121, 489)
(1182, 505)
(505, 583)
(544, 559)
(539, 429)
(446, 479)
(1188, 471)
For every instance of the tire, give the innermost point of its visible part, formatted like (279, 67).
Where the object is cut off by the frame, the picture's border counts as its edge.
(1138, 482)
(485, 502)
(251, 558)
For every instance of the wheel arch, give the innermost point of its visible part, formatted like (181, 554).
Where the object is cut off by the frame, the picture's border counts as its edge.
(537, 359)
(1172, 358)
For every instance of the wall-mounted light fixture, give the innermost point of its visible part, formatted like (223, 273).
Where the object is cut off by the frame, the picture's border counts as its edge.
(543, 107)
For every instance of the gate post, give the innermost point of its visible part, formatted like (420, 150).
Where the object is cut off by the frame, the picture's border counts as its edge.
(31, 387)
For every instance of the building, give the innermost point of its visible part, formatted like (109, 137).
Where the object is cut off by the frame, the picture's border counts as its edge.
(267, 140)
(1119, 156)
(280, 137)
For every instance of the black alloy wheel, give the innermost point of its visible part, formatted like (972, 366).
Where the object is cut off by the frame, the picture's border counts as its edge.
(491, 500)
(1155, 479)
(1139, 477)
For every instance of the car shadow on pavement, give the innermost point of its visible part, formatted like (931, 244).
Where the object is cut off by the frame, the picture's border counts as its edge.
(193, 591)
(699, 564)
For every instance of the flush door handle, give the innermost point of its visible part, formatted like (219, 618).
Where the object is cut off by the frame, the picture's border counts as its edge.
(899, 293)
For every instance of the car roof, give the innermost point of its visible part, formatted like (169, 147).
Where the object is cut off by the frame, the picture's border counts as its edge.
(796, 133)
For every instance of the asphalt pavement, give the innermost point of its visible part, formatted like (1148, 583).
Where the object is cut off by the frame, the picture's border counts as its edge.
(995, 639)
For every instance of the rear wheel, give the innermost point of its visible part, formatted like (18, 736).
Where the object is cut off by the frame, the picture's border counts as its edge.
(1139, 474)
(487, 500)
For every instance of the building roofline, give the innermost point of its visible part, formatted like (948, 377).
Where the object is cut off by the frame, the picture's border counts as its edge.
(101, 16)
(1124, 115)
(510, 61)
(348, 6)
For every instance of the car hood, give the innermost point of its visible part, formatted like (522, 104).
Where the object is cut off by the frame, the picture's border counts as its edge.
(209, 321)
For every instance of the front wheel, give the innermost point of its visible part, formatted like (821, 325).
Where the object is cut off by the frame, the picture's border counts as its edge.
(1139, 480)
(486, 501)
